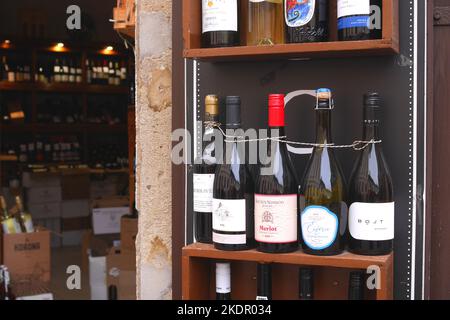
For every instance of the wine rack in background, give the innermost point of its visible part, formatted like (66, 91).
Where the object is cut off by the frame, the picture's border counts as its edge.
(85, 92)
(125, 17)
(192, 31)
(331, 274)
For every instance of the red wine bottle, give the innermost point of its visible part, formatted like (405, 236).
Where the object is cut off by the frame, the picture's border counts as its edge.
(307, 21)
(356, 286)
(220, 23)
(323, 191)
(223, 281)
(372, 210)
(233, 199)
(203, 179)
(306, 284)
(353, 20)
(264, 279)
(276, 200)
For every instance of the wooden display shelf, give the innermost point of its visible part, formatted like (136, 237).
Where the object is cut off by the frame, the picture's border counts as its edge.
(331, 273)
(8, 158)
(62, 128)
(389, 44)
(63, 88)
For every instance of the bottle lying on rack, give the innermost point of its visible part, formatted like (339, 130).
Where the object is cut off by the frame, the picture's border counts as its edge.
(306, 21)
(233, 198)
(353, 20)
(306, 284)
(323, 192)
(276, 189)
(203, 180)
(265, 22)
(223, 281)
(264, 279)
(220, 23)
(372, 209)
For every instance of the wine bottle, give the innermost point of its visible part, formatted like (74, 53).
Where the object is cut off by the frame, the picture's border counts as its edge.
(233, 199)
(306, 21)
(372, 209)
(265, 22)
(9, 224)
(24, 218)
(203, 180)
(223, 281)
(220, 23)
(353, 20)
(306, 284)
(112, 292)
(356, 286)
(264, 279)
(276, 200)
(322, 196)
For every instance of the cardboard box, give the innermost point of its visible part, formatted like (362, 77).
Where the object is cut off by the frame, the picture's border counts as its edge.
(41, 180)
(107, 213)
(54, 226)
(75, 186)
(72, 238)
(97, 278)
(74, 224)
(95, 246)
(121, 272)
(27, 256)
(128, 234)
(104, 188)
(44, 195)
(45, 210)
(75, 208)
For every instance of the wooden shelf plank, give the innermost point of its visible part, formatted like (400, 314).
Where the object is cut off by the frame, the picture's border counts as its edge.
(45, 128)
(7, 158)
(62, 88)
(345, 260)
(303, 50)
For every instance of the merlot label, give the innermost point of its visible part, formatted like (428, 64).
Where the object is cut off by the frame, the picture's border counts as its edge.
(203, 192)
(372, 221)
(229, 215)
(276, 218)
(299, 13)
(319, 227)
(220, 15)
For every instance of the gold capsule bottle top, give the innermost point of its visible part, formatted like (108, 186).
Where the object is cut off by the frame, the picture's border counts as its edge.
(212, 105)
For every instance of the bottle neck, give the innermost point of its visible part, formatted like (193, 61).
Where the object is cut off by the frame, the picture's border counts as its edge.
(211, 117)
(371, 131)
(323, 126)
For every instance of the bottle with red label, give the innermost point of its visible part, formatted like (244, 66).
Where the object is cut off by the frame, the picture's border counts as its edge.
(276, 214)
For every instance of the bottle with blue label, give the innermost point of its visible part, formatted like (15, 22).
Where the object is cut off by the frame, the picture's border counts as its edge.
(353, 20)
(306, 20)
(323, 210)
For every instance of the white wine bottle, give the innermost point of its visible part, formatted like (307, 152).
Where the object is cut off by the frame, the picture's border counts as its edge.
(9, 224)
(25, 219)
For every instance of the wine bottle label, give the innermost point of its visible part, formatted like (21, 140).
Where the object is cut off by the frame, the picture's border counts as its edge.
(28, 222)
(299, 13)
(260, 298)
(319, 226)
(276, 218)
(203, 192)
(372, 221)
(353, 13)
(10, 226)
(220, 15)
(223, 281)
(229, 215)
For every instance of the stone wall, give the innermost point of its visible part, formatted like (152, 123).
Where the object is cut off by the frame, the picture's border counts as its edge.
(153, 128)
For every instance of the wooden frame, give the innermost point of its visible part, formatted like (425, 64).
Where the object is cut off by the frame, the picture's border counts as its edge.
(389, 44)
(198, 273)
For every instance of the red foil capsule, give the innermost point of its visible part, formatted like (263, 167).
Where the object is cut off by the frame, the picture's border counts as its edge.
(276, 110)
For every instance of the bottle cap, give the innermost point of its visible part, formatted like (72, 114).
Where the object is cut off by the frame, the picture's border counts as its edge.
(233, 112)
(372, 106)
(212, 104)
(372, 99)
(276, 110)
(324, 99)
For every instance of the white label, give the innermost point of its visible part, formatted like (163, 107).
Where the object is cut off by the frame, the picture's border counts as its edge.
(348, 8)
(203, 192)
(276, 218)
(372, 221)
(259, 298)
(299, 14)
(229, 238)
(229, 215)
(223, 281)
(319, 227)
(220, 15)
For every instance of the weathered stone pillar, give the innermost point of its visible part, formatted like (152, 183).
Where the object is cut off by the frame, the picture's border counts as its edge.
(153, 129)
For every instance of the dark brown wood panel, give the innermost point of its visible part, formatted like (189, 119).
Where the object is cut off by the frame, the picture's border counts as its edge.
(440, 228)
